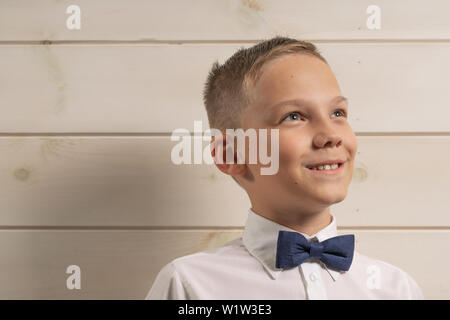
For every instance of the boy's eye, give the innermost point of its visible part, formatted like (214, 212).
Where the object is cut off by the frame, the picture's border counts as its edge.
(342, 112)
(293, 113)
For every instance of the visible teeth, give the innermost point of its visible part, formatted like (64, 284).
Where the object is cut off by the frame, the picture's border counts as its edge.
(327, 167)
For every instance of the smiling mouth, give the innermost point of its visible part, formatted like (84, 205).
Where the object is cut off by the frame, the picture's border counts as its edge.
(326, 166)
(328, 169)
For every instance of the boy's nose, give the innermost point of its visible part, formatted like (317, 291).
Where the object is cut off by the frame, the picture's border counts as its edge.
(324, 139)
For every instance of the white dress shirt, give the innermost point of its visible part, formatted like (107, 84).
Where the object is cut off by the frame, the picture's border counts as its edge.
(244, 269)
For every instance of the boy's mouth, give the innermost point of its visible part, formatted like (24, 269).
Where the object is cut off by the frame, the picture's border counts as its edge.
(328, 165)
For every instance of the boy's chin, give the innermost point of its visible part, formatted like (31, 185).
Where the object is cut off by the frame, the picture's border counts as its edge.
(330, 198)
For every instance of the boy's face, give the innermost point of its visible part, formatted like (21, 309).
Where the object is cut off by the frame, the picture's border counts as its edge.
(313, 132)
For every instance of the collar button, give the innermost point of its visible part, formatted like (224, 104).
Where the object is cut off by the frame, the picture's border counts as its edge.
(313, 276)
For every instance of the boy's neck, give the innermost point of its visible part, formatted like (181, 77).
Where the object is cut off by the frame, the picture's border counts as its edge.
(308, 224)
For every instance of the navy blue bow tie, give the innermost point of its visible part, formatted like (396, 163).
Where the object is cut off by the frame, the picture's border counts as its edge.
(293, 249)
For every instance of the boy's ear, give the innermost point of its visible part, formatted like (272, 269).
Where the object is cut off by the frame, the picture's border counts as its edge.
(220, 147)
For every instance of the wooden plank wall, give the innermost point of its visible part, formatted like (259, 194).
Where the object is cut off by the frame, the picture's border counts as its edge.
(86, 118)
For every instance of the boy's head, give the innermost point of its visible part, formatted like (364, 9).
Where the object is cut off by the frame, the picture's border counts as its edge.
(247, 91)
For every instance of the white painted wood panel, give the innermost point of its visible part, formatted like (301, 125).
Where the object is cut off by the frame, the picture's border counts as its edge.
(141, 69)
(157, 88)
(124, 264)
(131, 181)
(222, 20)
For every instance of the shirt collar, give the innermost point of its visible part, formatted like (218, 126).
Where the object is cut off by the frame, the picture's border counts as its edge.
(260, 237)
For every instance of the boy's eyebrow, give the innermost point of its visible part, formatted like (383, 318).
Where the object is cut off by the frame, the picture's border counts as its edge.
(300, 102)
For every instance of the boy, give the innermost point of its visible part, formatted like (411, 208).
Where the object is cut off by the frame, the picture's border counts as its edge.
(290, 248)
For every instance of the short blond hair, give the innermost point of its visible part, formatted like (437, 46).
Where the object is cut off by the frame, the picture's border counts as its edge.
(227, 89)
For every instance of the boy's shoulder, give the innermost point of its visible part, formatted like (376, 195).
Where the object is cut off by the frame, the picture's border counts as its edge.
(227, 253)
(172, 281)
(381, 273)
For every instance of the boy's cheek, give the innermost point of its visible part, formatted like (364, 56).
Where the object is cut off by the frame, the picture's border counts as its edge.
(287, 156)
(353, 139)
